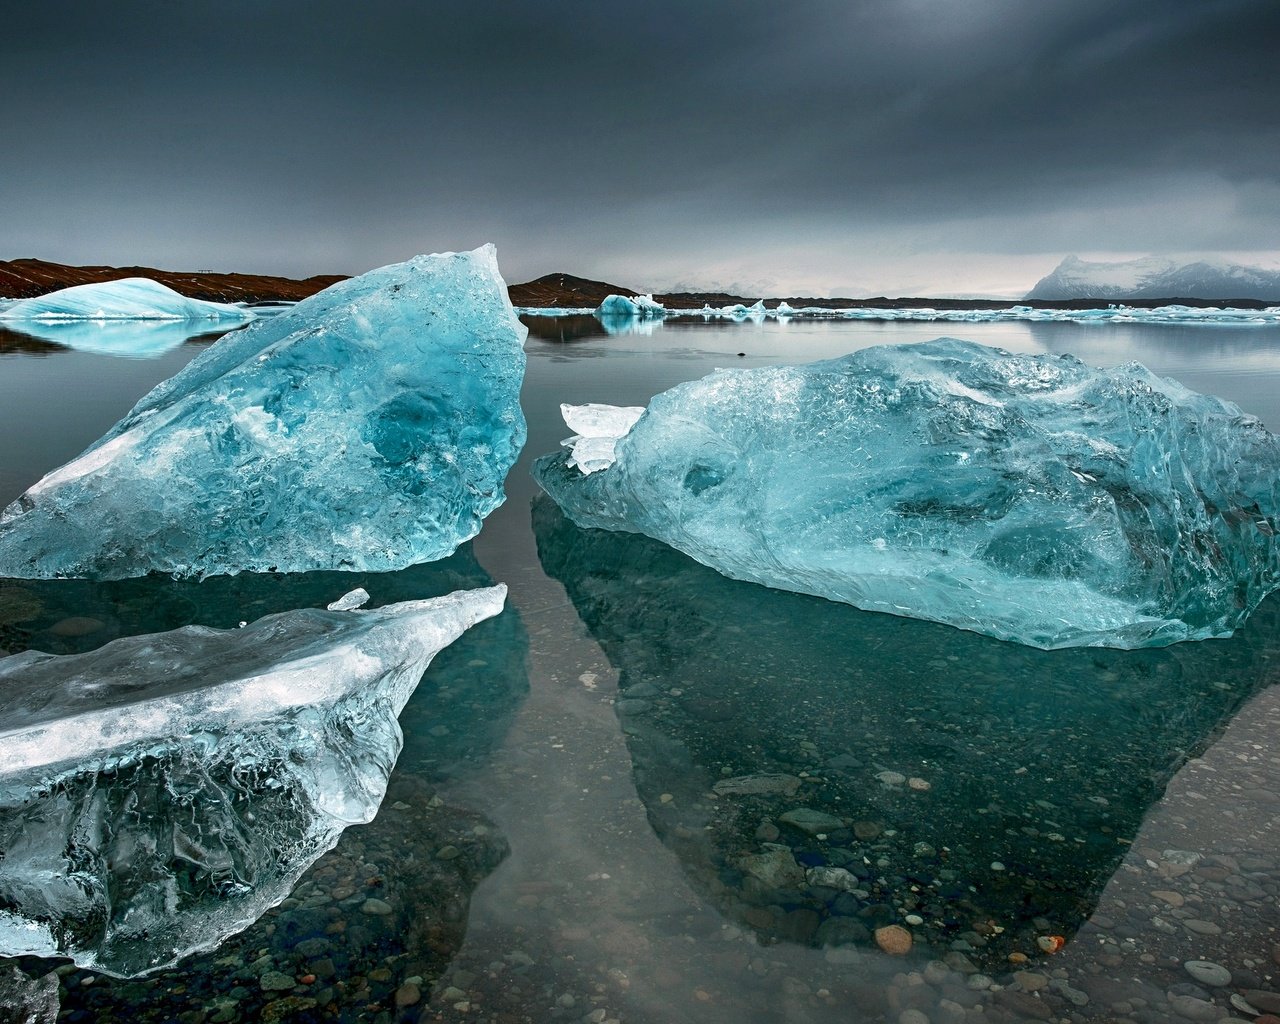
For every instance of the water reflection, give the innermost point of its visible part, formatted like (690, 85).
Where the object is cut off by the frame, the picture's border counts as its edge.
(15, 343)
(876, 769)
(563, 328)
(644, 326)
(380, 916)
(131, 339)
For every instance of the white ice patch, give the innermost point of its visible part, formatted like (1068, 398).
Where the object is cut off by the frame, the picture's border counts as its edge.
(599, 429)
(90, 462)
(358, 598)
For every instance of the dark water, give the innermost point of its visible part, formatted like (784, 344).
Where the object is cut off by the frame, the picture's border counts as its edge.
(553, 843)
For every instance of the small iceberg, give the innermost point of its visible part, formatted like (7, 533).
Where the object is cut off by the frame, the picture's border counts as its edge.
(638, 307)
(368, 428)
(131, 298)
(160, 793)
(1030, 498)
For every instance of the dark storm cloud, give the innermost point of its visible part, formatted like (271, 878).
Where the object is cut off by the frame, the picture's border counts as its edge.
(637, 138)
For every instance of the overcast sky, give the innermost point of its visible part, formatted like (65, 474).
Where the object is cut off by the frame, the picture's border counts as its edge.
(845, 147)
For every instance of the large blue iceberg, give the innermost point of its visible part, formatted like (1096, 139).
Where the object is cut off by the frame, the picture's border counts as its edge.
(369, 428)
(1031, 498)
(131, 298)
(160, 793)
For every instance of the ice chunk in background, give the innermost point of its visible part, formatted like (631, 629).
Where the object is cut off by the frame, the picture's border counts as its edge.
(158, 794)
(369, 428)
(638, 306)
(1031, 498)
(598, 429)
(1116, 314)
(131, 298)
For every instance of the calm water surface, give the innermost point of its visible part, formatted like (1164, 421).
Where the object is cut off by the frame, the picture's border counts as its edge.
(553, 846)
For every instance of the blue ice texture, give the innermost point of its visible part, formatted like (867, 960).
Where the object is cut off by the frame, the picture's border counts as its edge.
(131, 298)
(161, 793)
(1028, 497)
(368, 428)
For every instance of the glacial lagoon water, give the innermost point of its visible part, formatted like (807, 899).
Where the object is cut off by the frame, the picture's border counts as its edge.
(649, 793)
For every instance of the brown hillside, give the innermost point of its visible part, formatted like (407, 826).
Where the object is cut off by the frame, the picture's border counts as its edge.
(22, 279)
(564, 290)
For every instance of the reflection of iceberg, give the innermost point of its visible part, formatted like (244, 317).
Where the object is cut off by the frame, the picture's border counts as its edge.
(1031, 498)
(133, 339)
(1031, 769)
(369, 428)
(615, 325)
(132, 298)
(158, 794)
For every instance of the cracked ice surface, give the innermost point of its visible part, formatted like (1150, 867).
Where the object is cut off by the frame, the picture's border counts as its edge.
(131, 298)
(370, 427)
(162, 792)
(1031, 498)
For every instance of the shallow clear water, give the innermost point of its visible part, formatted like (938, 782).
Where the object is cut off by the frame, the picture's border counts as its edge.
(553, 844)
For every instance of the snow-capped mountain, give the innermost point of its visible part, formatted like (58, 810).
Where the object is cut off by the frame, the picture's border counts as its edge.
(1158, 277)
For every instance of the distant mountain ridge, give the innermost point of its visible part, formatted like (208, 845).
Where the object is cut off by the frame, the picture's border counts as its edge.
(1157, 277)
(1150, 282)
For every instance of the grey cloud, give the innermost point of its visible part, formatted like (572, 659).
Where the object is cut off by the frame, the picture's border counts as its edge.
(303, 137)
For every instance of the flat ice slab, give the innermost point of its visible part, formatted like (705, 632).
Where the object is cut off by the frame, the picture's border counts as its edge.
(368, 428)
(131, 298)
(160, 793)
(1031, 498)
